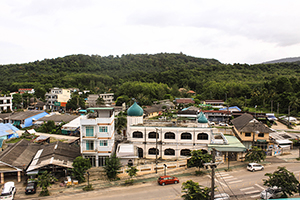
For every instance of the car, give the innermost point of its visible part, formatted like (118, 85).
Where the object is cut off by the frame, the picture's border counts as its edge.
(271, 193)
(8, 191)
(222, 196)
(164, 180)
(31, 188)
(254, 167)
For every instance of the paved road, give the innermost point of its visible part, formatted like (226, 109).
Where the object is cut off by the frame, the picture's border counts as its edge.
(240, 184)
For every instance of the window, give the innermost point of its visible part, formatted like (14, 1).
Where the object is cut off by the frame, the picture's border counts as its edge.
(202, 136)
(103, 142)
(89, 131)
(186, 136)
(137, 134)
(103, 129)
(247, 134)
(261, 135)
(152, 151)
(185, 152)
(170, 152)
(169, 135)
(153, 135)
(89, 145)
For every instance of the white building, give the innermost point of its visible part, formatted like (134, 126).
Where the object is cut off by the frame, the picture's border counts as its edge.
(97, 133)
(5, 103)
(107, 97)
(57, 98)
(173, 140)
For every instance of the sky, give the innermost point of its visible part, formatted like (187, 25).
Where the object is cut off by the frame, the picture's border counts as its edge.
(231, 31)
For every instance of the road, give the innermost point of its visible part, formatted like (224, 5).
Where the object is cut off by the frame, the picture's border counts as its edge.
(239, 184)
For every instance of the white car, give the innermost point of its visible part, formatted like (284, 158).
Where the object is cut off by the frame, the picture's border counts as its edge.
(271, 193)
(254, 167)
(9, 191)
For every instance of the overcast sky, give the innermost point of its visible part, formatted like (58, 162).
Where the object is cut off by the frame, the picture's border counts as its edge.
(241, 31)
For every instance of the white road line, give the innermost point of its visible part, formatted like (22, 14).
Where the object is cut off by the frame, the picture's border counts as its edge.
(248, 188)
(255, 196)
(221, 183)
(251, 192)
(238, 181)
(260, 186)
(230, 179)
(225, 177)
(222, 174)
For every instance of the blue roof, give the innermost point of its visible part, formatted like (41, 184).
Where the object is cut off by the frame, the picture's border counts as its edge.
(5, 129)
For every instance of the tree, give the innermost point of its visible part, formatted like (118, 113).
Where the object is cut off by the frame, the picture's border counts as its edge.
(256, 154)
(100, 101)
(193, 191)
(112, 165)
(120, 124)
(283, 179)
(198, 159)
(80, 166)
(131, 172)
(44, 181)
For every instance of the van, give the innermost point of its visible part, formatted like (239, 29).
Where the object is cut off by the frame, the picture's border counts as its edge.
(8, 191)
(254, 167)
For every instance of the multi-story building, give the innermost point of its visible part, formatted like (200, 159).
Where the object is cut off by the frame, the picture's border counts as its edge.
(169, 140)
(57, 98)
(107, 97)
(26, 90)
(97, 132)
(5, 103)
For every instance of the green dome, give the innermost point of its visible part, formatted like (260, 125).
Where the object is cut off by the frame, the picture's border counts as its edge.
(202, 118)
(135, 110)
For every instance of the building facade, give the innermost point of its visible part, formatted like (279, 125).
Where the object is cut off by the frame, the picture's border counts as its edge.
(97, 134)
(57, 98)
(169, 140)
(5, 103)
(107, 97)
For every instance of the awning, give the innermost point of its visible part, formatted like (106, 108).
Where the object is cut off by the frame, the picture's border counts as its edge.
(17, 123)
(33, 172)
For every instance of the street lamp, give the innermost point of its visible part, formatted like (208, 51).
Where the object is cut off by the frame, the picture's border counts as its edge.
(165, 169)
(88, 173)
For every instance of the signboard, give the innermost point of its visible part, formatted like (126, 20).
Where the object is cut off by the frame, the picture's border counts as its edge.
(57, 103)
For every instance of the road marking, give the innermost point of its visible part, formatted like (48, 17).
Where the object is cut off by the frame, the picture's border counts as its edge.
(230, 179)
(248, 188)
(255, 196)
(260, 186)
(251, 192)
(225, 177)
(220, 174)
(238, 181)
(221, 183)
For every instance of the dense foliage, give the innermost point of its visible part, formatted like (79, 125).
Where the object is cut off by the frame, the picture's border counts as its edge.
(80, 166)
(45, 180)
(283, 179)
(149, 77)
(198, 158)
(112, 165)
(256, 154)
(193, 191)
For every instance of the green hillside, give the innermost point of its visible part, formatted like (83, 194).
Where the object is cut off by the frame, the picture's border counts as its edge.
(131, 75)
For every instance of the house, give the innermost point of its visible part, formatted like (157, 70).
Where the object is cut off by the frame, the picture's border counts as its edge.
(16, 158)
(153, 111)
(233, 150)
(56, 117)
(127, 153)
(26, 90)
(190, 112)
(107, 98)
(217, 115)
(184, 100)
(26, 118)
(5, 103)
(56, 157)
(232, 108)
(97, 134)
(57, 98)
(214, 103)
(7, 131)
(251, 132)
(168, 140)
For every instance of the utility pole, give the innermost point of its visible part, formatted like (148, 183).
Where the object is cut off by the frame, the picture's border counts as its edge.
(156, 152)
(271, 106)
(212, 197)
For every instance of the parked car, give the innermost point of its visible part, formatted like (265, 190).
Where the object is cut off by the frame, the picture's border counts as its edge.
(222, 196)
(8, 191)
(254, 167)
(223, 124)
(164, 180)
(31, 188)
(271, 193)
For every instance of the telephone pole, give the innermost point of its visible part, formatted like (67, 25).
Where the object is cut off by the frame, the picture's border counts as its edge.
(212, 197)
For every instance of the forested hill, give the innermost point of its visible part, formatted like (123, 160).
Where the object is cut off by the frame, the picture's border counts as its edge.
(123, 75)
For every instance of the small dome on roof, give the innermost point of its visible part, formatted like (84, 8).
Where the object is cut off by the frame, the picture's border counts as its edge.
(202, 118)
(135, 110)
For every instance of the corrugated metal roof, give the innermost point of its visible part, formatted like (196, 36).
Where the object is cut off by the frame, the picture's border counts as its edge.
(234, 145)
